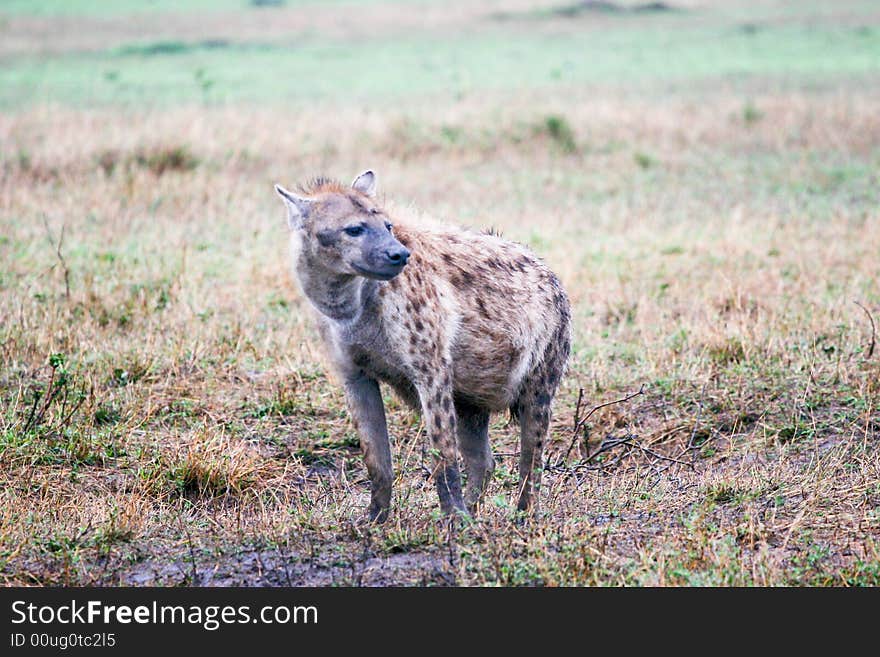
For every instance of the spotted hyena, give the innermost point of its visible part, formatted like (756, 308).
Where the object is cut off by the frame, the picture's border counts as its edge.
(458, 323)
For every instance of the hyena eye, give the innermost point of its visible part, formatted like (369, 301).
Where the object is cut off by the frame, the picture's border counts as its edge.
(389, 226)
(354, 231)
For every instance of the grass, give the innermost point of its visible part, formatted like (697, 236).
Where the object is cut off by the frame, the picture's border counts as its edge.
(168, 417)
(129, 7)
(277, 64)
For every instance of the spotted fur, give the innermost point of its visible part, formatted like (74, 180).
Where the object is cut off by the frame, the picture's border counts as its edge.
(473, 324)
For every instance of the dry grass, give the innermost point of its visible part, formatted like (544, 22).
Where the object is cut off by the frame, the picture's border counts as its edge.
(166, 415)
(186, 429)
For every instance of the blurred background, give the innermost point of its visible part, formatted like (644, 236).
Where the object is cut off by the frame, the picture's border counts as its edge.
(294, 87)
(376, 54)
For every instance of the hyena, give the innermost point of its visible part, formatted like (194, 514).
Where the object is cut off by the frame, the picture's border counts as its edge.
(458, 323)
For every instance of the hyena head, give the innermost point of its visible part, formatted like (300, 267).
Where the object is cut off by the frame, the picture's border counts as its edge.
(343, 230)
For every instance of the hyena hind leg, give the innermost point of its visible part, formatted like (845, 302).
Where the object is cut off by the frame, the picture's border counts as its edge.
(534, 419)
(533, 408)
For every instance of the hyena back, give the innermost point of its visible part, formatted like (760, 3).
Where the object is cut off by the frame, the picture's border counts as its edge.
(458, 323)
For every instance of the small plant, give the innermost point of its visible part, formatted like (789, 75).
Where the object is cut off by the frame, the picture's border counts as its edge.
(862, 573)
(811, 566)
(162, 159)
(729, 351)
(106, 414)
(208, 467)
(55, 402)
(108, 161)
(723, 493)
(204, 82)
(751, 114)
(793, 432)
(284, 403)
(560, 131)
(452, 134)
(164, 298)
(644, 160)
(278, 302)
(122, 377)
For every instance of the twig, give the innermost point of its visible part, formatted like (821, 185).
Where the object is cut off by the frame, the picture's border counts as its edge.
(36, 419)
(57, 246)
(577, 410)
(580, 422)
(27, 424)
(261, 567)
(663, 457)
(284, 559)
(65, 419)
(873, 342)
(192, 551)
(630, 440)
(85, 530)
(690, 445)
(605, 446)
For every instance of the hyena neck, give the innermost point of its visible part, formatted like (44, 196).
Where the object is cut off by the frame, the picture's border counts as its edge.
(341, 297)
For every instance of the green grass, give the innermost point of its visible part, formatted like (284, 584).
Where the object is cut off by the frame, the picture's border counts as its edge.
(310, 69)
(129, 7)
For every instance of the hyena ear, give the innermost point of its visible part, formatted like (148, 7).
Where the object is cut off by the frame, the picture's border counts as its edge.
(298, 208)
(365, 183)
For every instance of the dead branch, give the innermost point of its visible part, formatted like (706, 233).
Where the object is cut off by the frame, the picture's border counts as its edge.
(577, 410)
(873, 342)
(661, 457)
(579, 422)
(608, 443)
(631, 441)
(624, 445)
(690, 444)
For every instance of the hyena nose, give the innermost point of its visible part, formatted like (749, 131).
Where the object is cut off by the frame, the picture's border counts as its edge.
(397, 256)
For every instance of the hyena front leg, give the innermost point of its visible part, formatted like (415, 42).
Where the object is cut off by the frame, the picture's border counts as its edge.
(438, 412)
(368, 413)
(473, 443)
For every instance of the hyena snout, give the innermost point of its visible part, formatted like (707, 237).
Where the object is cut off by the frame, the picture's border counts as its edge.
(398, 256)
(384, 261)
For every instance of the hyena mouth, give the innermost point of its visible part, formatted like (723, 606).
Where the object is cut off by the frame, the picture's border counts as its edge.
(384, 274)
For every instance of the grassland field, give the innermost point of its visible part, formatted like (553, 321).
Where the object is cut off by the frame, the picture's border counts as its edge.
(703, 177)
